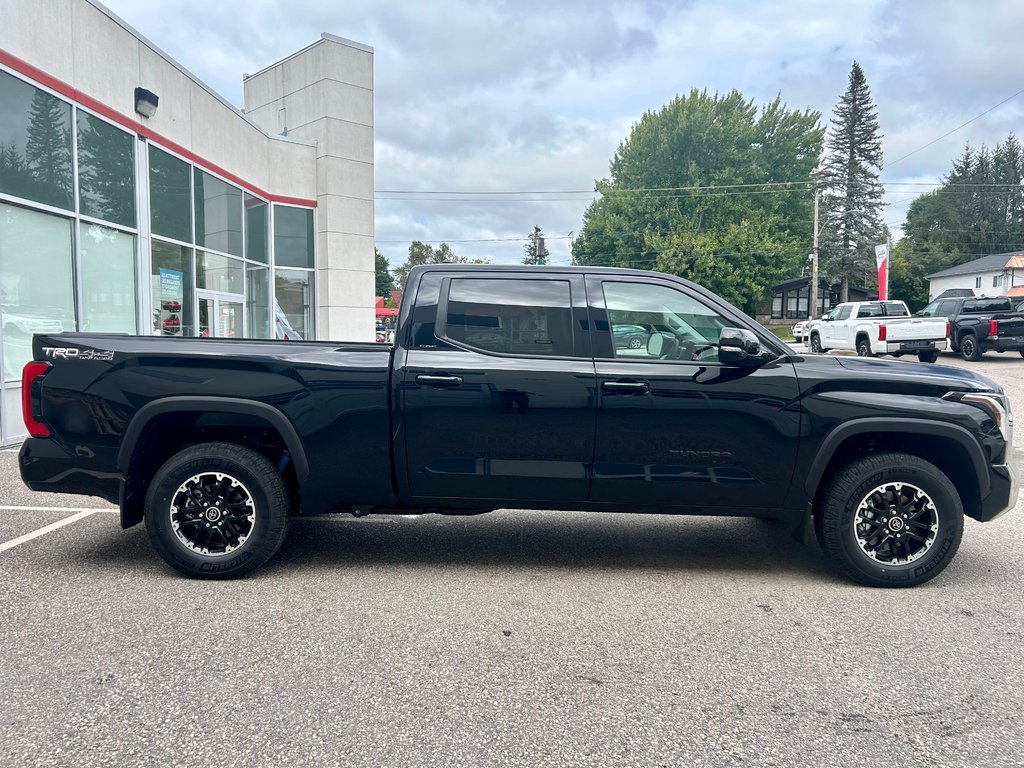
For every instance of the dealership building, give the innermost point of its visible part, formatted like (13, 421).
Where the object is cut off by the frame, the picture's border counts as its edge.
(134, 199)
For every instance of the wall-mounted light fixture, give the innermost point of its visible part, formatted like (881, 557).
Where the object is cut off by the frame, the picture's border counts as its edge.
(146, 102)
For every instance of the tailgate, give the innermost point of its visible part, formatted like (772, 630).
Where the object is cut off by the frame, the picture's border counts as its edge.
(915, 328)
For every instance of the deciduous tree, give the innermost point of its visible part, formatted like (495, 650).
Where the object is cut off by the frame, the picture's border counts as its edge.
(710, 188)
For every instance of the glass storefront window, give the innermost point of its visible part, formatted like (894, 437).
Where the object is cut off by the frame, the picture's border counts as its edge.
(218, 214)
(218, 273)
(108, 279)
(257, 301)
(255, 229)
(35, 144)
(106, 171)
(36, 287)
(170, 198)
(293, 237)
(171, 287)
(293, 289)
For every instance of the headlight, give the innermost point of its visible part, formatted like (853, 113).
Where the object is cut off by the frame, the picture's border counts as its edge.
(996, 405)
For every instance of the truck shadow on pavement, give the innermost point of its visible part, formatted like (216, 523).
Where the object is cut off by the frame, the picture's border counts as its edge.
(505, 539)
(557, 540)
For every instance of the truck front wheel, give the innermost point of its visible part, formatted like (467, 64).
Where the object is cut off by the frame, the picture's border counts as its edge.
(217, 511)
(816, 343)
(890, 520)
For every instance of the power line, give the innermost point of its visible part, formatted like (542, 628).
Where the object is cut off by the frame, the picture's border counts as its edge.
(949, 133)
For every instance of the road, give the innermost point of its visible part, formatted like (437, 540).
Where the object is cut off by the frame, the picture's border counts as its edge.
(515, 638)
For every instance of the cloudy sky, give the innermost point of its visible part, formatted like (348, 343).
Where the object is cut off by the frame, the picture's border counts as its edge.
(532, 98)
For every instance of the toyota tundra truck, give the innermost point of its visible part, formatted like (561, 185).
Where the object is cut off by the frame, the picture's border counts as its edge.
(879, 328)
(505, 388)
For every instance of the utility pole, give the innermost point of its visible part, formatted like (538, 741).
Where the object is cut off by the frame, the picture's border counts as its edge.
(812, 294)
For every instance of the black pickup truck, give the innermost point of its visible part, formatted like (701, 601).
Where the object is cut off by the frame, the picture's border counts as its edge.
(977, 325)
(506, 389)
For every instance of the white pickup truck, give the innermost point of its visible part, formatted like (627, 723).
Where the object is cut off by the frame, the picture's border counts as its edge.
(879, 328)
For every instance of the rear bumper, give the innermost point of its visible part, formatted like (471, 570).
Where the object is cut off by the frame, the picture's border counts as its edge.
(912, 347)
(1003, 343)
(46, 465)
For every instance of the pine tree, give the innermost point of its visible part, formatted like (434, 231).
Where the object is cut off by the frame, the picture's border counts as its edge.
(853, 196)
(536, 250)
(48, 149)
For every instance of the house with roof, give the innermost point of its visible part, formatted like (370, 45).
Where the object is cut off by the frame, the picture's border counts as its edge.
(1001, 274)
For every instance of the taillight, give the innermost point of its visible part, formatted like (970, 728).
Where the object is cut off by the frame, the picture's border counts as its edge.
(947, 329)
(31, 377)
(993, 327)
(881, 332)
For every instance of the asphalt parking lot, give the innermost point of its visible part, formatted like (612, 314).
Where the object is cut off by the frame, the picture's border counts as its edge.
(515, 638)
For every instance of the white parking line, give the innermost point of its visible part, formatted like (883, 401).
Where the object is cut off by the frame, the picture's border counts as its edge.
(56, 509)
(46, 529)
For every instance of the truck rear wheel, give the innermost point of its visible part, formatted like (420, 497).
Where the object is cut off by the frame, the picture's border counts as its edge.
(890, 520)
(864, 347)
(970, 349)
(217, 511)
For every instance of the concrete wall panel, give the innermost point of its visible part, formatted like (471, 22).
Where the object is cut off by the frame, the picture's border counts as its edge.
(98, 44)
(40, 33)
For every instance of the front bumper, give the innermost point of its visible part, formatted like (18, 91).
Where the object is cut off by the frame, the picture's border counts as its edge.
(1003, 496)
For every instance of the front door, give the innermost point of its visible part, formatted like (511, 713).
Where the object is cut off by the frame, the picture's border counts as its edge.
(676, 428)
(497, 389)
(220, 314)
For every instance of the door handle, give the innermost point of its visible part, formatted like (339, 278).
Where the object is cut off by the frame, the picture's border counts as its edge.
(439, 382)
(626, 387)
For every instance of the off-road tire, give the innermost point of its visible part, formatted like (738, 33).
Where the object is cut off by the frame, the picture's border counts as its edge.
(970, 349)
(849, 496)
(254, 502)
(864, 347)
(816, 344)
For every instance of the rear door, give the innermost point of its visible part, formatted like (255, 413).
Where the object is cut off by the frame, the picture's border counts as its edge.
(498, 389)
(676, 428)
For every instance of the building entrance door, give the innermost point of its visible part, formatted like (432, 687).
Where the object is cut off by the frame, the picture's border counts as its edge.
(221, 314)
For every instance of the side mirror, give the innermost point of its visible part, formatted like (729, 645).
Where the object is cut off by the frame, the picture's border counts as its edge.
(738, 346)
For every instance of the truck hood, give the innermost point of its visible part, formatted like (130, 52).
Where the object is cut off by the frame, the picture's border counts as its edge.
(871, 374)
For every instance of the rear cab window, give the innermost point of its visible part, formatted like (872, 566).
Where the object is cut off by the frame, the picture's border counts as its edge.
(508, 316)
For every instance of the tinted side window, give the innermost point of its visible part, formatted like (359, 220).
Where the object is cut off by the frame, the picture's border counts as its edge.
(655, 321)
(844, 312)
(511, 316)
(987, 305)
(946, 308)
(932, 309)
(870, 310)
(894, 309)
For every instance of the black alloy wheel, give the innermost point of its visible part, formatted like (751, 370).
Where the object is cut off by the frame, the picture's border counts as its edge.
(217, 510)
(970, 349)
(816, 343)
(890, 520)
(864, 347)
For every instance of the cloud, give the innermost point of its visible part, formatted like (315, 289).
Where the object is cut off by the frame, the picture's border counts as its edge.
(531, 95)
